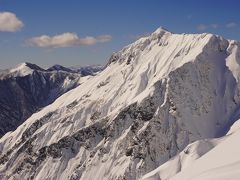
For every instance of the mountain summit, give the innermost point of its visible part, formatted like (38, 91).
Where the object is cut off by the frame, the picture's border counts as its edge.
(154, 97)
(22, 69)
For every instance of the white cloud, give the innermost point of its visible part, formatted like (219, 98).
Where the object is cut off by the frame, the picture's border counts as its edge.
(9, 22)
(202, 27)
(215, 26)
(104, 38)
(231, 25)
(67, 40)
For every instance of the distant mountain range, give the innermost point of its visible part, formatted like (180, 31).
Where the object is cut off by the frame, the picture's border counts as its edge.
(27, 88)
(83, 70)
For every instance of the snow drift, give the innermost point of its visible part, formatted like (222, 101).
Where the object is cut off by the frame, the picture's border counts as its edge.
(207, 159)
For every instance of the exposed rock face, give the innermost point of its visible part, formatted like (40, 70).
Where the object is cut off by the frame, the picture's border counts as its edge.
(155, 97)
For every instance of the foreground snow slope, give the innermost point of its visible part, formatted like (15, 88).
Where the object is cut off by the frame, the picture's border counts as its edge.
(222, 162)
(204, 159)
(154, 97)
(183, 160)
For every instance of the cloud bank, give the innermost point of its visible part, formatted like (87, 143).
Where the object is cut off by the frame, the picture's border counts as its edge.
(9, 22)
(231, 25)
(66, 40)
(204, 27)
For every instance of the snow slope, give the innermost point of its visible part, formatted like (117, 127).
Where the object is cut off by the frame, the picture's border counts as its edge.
(220, 163)
(183, 160)
(153, 98)
(207, 159)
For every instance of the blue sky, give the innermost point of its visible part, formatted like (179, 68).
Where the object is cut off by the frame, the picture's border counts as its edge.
(109, 24)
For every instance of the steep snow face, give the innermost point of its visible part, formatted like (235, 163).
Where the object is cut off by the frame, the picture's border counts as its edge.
(153, 98)
(233, 60)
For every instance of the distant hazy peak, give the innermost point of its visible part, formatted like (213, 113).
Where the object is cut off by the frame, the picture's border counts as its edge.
(58, 67)
(28, 65)
(22, 69)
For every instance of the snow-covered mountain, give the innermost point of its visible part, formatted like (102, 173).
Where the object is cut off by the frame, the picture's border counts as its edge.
(153, 98)
(27, 88)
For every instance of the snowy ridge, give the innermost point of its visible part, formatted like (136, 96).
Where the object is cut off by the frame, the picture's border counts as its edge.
(153, 98)
(20, 70)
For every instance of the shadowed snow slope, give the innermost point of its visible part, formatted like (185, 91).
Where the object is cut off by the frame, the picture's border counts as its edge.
(153, 98)
(27, 88)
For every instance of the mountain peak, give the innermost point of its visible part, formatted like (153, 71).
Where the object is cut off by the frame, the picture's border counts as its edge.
(163, 40)
(58, 67)
(161, 29)
(32, 66)
(24, 69)
(158, 33)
